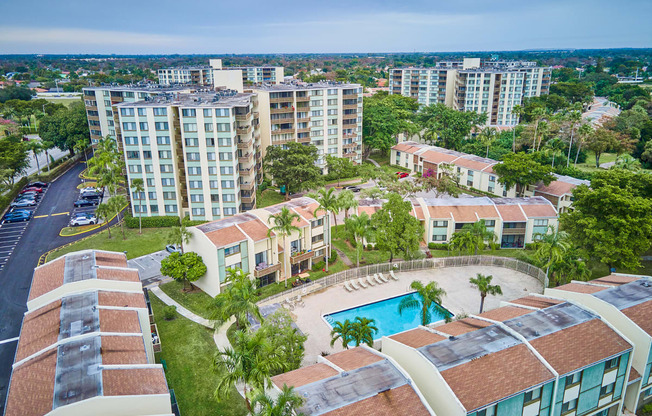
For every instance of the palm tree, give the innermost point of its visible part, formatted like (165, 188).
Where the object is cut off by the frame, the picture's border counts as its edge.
(237, 300)
(329, 202)
(487, 136)
(36, 147)
(250, 362)
(179, 235)
(538, 114)
(286, 403)
(575, 117)
(117, 203)
(284, 226)
(483, 284)
(342, 331)
(627, 162)
(105, 212)
(363, 330)
(552, 247)
(138, 187)
(517, 110)
(81, 146)
(347, 201)
(584, 132)
(463, 242)
(427, 296)
(480, 233)
(544, 129)
(359, 226)
(555, 148)
(47, 145)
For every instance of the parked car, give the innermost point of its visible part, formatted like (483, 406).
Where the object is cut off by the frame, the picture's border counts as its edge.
(86, 202)
(83, 219)
(88, 189)
(352, 188)
(28, 195)
(17, 216)
(171, 248)
(31, 189)
(23, 203)
(402, 175)
(37, 184)
(91, 195)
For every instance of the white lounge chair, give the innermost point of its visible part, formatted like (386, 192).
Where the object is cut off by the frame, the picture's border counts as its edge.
(362, 283)
(377, 279)
(354, 285)
(299, 302)
(348, 287)
(391, 273)
(383, 278)
(371, 281)
(289, 304)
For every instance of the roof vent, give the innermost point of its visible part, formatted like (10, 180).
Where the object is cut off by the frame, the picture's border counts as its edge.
(536, 333)
(645, 283)
(452, 338)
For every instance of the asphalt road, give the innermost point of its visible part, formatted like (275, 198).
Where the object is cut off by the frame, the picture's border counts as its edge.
(40, 235)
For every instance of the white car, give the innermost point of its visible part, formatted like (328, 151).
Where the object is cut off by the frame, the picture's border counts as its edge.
(87, 190)
(83, 220)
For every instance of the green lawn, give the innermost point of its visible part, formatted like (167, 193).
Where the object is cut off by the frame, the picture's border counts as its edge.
(188, 349)
(268, 197)
(380, 158)
(63, 100)
(150, 241)
(196, 301)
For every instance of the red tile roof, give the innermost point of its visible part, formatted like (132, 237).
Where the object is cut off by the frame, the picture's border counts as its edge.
(354, 358)
(31, 392)
(640, 314)
(40, 330)
(417, 338)
(581, 288)
(616, 279)
(304, 375)
(399, 401)
(537, 302)
(47, 278)
(505, 313)
(462, 326)
(134, 382)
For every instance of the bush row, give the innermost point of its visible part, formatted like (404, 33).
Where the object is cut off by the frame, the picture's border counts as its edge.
(157, 222)
(6, 199)
(438, 246)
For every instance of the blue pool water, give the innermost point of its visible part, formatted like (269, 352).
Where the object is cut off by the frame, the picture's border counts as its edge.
(385, 312)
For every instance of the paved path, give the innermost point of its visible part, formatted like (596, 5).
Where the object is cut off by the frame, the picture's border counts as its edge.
(182, 311)
(220, 337)
(345, 259)
(373, 161)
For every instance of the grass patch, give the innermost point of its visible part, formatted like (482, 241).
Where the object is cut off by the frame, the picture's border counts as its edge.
(67, 101)
(70, 231)
(188, 349)
(381, 158)
(136, 245)
(268, 197)
(196, 301)
(87, 185)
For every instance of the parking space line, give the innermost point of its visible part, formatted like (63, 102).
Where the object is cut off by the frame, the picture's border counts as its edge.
(60, 213)
(41, 216)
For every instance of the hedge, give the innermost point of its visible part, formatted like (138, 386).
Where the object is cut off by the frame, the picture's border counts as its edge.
(438, 246)
(7, 198)
(157, 222)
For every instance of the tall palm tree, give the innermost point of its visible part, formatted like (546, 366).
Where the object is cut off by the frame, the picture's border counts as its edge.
(463, 242)
(47, 145)
(574, 117)
(484, 286)
(179, 235)
(426, 296)
(105, 212)
(544, 129)
(363, 331)
(285, 404)
(359, 226)
(552, 247)
(36, 147)
(250, 362)
(480, 233)
(347, 201)
(81, 146)
(328, 201)
(284, 226)
(138, 186)
(117, 203)
(517, 110)
(237, 300)
(584, 132)
(555, 148)
(342, 331)
(538, 114)
(487, 136)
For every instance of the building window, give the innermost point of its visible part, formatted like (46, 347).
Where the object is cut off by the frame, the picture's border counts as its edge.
(169, 195)
(127, 111)
(195, 184)
(188, 112)
(490, 223)
(131, 140)
(158, 111)
(144, 126)
(189, 127)
(153, 209)
(540, 223)
(128, 126)
(162, 139)
(228, 197)
(611, 364)
(489, 411)
(226, 170)
(161, 125)
(568, 406)
(165, 168)
(198, 211)
(440, 224)
(607, 390)
(317, 238)
(318, 223)
(133, 154)
(573, 379)
(532, 395)
(170, 208)
(192, 155)
(228, 184)
(229, 251)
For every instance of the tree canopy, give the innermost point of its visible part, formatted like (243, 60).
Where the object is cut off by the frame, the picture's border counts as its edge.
(66, 127)
(384, 117)
(400, 231)
(293, 166)
(186, 268)
(447, 127)
(520, 170)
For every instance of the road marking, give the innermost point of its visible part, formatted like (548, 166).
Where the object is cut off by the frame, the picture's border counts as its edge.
(60, 213)
(41, 216)
(4, 341)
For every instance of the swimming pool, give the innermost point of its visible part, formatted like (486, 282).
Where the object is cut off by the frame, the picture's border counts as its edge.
(385, 312)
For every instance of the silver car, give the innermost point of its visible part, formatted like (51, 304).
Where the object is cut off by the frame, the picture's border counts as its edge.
(83, 220)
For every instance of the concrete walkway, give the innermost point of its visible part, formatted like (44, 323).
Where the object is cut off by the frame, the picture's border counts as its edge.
(220, 337)
(373, 161)
(182, 311)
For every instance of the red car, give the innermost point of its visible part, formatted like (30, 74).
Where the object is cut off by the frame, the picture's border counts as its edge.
(402, 175)
(32, 189)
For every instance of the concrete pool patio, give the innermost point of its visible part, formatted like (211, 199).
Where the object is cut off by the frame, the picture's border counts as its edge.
(461, 298)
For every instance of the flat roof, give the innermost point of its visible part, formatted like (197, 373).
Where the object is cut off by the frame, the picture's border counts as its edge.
(546, 321)
(201, 99)
(627, 295)
(303, 86)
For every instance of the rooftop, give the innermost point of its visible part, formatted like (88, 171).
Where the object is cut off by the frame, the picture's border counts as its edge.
(295, 86)
(203, 98)
(142, 87)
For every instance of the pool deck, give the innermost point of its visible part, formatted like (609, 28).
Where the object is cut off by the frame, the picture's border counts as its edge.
(460, 297)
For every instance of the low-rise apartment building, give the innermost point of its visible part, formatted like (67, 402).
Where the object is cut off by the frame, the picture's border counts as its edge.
(85, 344)
(326, 114)
(625, 301)
(246, 241)
(358, 381)
(198, 154)
(560, 191)
(515, 222)
(491, 87)
(531, 357)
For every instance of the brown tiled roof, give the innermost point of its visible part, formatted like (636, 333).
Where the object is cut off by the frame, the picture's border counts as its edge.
(134, 382)
(641, 315)
(462, 326)
(40, 330)
(304, 375)
(32, 386)
(255, 229)
(123, 350)
(537, 302)
(633, 375)
(127, 300)
(495, 376)
(504, 313)
(354, 358)
(298, 222)
(113, 320)
(616, 280)
(126, 275)
(308, 210)
(110, 259)
(406, 147)
(511, 213)
(399, 401)
(579, 345)
(47, 278)
(556, 188)
(472, 164)
(226, 236)
(418, 212)
(581, 288)
(417, 338)
(370, 210)
(433, 156)
(539, 210)
(463, 213)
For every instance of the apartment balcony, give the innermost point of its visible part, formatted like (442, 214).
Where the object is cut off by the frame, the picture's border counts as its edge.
(281, 110)
(243, 130)
(283, 131)
(247, 186)
(350, 96)
(350, 106)
(280, 100)
(249, 157)
(514, 231)
(245, 143)
(303, 140)
(305, 119)
(242, 117)
(351, 155)
(245, 173)
(350, 145)
(349, 135)
(264, 269)
(256, 114)
(301, 256)
(303, 130)
(303, 99)
(248, 199)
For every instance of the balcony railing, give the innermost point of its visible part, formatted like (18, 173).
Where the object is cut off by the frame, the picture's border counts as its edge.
(349, 106)
(303, 130)
(281, 110)
(304, 140)
(350, 154)
(242, 117)
(350, 96)
(350, 145)
(244, 144)
(248, 199)
(303, 99)
(243, 130)
(280, 100)
(246, 158)
(248, 186)
(299, 257)
(283, 131)
(265, 269)
(514, 231)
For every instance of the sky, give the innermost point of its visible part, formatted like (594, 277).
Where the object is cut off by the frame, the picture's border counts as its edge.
(325, 26)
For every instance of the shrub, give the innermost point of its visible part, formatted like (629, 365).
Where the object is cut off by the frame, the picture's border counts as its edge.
(333, 257)
(6, 199)
(438, 246)
(318, 266)
(262, 186)
(169, 312)
(151, 222)
(494, 246)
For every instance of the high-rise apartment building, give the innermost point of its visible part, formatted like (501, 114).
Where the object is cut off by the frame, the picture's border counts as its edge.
(491, 87)
(198, 154)
(327, 115)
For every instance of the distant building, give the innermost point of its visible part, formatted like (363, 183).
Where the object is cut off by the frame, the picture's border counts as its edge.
(599, 111)
(560, 191)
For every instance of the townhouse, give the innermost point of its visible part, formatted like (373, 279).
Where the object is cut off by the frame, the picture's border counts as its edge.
(247, 241)
(625, 301)
(86, 344)
(560, 191)
(514, 221)
(491, 87)
(357, 381)
(198, 154)
(534, 356)
(327, 115)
